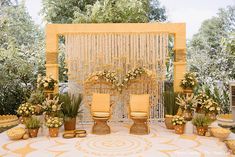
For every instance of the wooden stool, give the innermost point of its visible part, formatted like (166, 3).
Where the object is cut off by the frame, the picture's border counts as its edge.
(100, 126)
(140, 126)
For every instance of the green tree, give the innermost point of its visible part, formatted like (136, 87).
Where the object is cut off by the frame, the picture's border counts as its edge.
(21, 56)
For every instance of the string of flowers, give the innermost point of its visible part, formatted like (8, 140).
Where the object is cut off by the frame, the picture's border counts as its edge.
(189, 81)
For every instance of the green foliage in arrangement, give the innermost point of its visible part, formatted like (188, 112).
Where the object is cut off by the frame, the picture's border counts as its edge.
(189, 81)
(201, 120)
(37, 97)
(70, 105)
(170, 105)
(33, 123)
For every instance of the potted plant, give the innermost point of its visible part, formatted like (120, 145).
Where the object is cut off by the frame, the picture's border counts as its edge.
(188, 104)
(201, 99)
(33, 125)
(54, 123)
(211, 108)
(70, 109)
(201, 122)
(179, 124)
(37, 98)
(51, 107)
(26, 110)
(189, 82)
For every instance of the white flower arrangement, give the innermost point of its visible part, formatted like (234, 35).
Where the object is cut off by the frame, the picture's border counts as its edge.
(177, 120)
(51, 106)
(187, 102)
(137, 72)
(47, 83)
(26, 110)
(54, 122)
(189, 81)
(210, 106)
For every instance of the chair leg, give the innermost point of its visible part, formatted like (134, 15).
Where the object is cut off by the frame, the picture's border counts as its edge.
(140, 127)
(100, 127)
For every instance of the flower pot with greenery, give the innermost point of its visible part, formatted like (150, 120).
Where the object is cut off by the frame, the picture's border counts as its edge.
(26, 110)
(54, 123)
(201, 122)
(189, 82)
(188, 104)
(33, 125)
(70, 109)
(211, 108)
(37, 98)
(179, 124)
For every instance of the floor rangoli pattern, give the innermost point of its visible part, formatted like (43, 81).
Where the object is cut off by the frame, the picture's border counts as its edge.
(159, 143)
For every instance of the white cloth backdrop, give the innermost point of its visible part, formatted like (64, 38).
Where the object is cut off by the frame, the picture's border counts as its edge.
(120, 52)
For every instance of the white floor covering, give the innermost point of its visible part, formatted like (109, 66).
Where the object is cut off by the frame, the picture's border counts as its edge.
(159, 143)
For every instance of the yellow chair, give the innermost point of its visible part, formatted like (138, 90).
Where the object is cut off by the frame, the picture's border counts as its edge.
(101, 112)
(139, 113)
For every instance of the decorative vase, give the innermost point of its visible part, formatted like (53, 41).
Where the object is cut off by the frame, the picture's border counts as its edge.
(201, 130)
(179, 129)
(211, 115)
(70, 124)
(33, 132)
(187, 91)
(49, 93)
(168, 122)
(188, 115)
(53, 132)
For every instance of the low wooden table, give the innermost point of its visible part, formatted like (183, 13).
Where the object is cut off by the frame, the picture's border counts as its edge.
(100, 126)
(140, 126)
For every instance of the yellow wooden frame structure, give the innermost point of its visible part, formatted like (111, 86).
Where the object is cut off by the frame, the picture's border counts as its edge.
(53, 31)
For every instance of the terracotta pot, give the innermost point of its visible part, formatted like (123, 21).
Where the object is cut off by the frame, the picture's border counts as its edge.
(33, 132)
(201, 130)
(179, 129)
(188, 115)
(53, 132)
(70, 124)
(168, 123)
(211, 115)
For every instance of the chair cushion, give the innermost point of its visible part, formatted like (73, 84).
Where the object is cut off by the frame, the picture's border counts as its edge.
(139, 114)
(100, 103)
(101, 114)
(139, 103)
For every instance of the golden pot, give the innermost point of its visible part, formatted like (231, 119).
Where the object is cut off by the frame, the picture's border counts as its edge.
(33, 132)
(201, 130)
(188, 115)
(53, 132)
(70, 124)
(168, 122)
(179, 129)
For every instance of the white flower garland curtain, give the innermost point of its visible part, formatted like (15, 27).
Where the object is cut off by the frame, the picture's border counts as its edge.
(119, 52)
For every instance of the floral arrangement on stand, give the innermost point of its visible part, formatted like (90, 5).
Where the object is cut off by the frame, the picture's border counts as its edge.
(53, 123)
(211, 108)
(37, 98)
(189, 81)
(201, 99)
(51, 107)
(46, 83)
(188, 104)
(26, 110)
(33, 125)
(179, 124)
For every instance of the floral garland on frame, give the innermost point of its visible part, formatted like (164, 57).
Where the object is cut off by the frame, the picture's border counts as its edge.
(112, 78)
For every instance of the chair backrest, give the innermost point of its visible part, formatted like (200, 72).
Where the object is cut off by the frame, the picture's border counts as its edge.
(139, 103)
(100, 102)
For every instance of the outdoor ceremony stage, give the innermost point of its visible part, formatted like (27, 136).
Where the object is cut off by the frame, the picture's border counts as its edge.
(159, 143)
